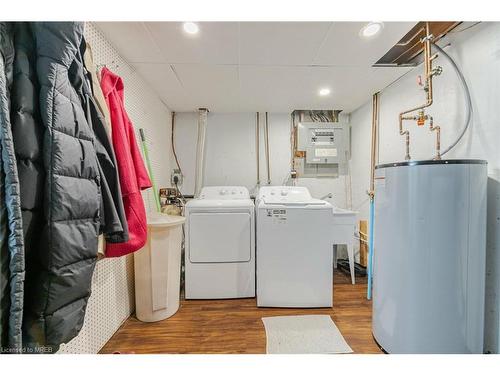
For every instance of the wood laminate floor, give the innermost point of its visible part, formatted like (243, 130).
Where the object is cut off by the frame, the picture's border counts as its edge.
(235, 326)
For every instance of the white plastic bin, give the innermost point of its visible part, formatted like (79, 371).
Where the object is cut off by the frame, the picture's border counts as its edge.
(158, 269)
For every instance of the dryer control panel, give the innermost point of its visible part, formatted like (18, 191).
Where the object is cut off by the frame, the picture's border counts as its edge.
(224, 192)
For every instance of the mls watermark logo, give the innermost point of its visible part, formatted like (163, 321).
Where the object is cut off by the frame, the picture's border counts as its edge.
(27, 350)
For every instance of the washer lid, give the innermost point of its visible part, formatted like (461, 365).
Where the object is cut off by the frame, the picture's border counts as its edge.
(287, 195)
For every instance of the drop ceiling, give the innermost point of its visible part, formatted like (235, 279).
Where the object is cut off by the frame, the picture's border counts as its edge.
(251, 66)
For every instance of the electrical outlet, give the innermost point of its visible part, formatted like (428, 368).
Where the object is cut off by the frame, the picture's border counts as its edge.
(176, 177)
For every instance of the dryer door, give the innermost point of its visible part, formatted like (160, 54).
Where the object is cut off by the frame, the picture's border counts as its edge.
(220, 237)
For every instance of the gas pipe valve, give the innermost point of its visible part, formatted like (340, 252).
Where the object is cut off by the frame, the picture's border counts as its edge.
(421, 118)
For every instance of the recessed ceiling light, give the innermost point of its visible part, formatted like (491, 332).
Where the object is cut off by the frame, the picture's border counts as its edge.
(324, 92)
(191, 27)
(371, 29)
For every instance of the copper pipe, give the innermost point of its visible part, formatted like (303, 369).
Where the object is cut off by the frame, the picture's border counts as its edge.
(428, 89)
(428, 75)
(372, 163)
(406, 133)
(437, 129)
(374, 143)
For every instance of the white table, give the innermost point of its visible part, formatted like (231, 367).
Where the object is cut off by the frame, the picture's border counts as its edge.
(344, 227)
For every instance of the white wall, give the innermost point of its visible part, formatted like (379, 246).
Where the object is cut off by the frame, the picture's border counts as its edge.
(477, 52)
(231, 153)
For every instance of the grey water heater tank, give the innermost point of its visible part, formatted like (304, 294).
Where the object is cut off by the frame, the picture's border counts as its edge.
(429, 257)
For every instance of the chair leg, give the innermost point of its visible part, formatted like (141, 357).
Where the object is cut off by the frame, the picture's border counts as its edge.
(350, 253)
(334, 256)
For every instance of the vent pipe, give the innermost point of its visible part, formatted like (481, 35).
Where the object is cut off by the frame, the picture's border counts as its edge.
(266, 140)
(200, 150)
(257, 145)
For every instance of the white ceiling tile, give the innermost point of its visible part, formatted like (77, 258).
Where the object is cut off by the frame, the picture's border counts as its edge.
(132, 40)
(287, 88)
(274, 72)
(216, 42)
(163, 80)
(344, 46)
(210, 86)
(281, 43)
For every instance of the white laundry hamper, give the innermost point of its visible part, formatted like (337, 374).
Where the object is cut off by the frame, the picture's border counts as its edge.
(157, 269)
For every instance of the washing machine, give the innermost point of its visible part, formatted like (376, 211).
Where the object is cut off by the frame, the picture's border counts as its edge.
(220, 244)
(294, 248)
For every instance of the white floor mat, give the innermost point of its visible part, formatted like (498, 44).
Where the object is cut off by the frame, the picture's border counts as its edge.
(303, 334)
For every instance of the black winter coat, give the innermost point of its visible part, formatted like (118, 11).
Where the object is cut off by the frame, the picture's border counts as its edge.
(11, 236)
(27, 132)
(113, 219)
(55, 302)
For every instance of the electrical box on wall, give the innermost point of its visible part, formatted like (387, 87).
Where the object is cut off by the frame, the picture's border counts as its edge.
(324, 147)
(176, 177)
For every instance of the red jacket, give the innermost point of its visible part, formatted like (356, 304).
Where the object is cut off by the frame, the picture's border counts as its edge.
(133, 174)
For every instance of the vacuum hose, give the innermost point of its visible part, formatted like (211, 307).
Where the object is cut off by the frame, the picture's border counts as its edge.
(468, 101)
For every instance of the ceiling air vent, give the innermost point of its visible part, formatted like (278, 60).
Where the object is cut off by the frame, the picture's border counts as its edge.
(408, 51)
